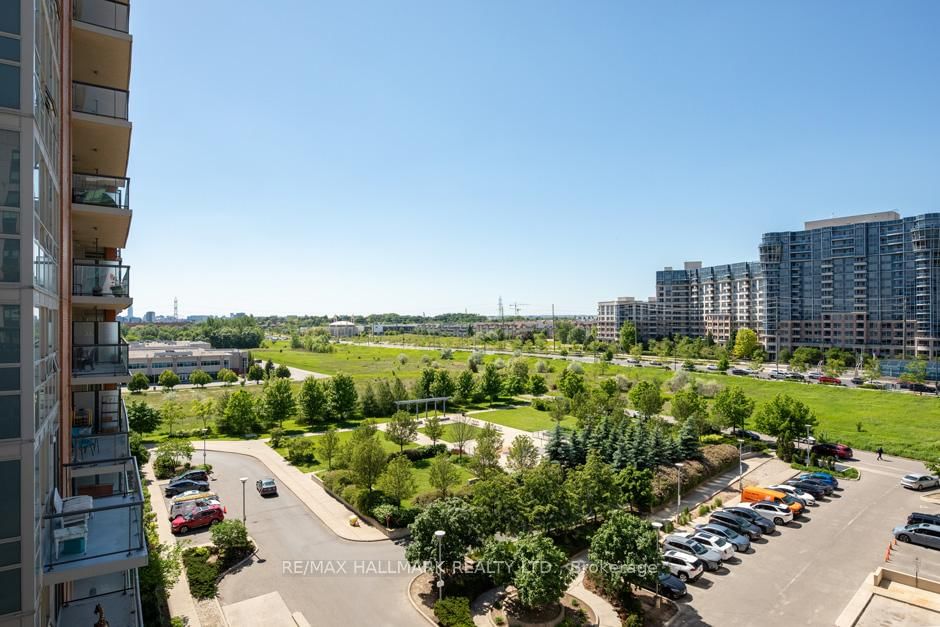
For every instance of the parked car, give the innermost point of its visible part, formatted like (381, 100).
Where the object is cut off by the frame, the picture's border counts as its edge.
(916, 481)
(920, 517)
(833, 450)
(671, 586)
(683, 565)
(917, 387)
(830, 381)
(814, 375)
(632, 361)
(817, 488)
(655, 363)
(744, 433)
(198, 517)
(766, 525)
(709, 557)
(711, 368)
(196, 474)
(176, 487)
(778, 374)
(780, 514)
(741, 372)
(857, 380)
(736, 523)
(795, 376)
(183, 507)
(712, 541)
(825, 477)
(753, 494)
(266, 487)
(740, 542)
(795, 492)
(921, 533)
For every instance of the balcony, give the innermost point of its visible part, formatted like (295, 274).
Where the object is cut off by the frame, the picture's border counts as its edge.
(101, 133)
(103, 13)
(101, 45)
(100, 363)
(99, 427)
(118, 594)
(101, 284)
(101, 209)
(100, 531)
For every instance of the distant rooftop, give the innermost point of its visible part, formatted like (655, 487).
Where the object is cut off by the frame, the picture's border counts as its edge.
(881, 216)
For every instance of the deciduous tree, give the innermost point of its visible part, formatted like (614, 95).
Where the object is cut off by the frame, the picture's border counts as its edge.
(398, 480)
(402, 429)
(442, 474)
(522, 454)
(732, 407)
(168, 380)
(138, 383)
(486, 454)
(199, 378)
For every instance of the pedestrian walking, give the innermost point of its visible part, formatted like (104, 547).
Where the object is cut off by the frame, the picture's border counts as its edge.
(880, 452)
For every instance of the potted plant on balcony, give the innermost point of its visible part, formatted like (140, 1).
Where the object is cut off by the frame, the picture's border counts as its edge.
(117, 288)
(97, 290)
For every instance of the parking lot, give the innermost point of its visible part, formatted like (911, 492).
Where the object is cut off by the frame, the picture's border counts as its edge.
(806, 572)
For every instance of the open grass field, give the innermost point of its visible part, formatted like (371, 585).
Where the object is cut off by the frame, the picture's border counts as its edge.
(448, 435)
(525, 418)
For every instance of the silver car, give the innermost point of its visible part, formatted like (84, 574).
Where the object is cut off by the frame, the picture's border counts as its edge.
(924, 534)
(710, 557)
(919, 482)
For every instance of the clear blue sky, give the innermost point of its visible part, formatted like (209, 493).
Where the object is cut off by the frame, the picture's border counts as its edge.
(325, 158)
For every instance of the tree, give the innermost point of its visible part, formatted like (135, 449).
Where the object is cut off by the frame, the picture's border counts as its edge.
(594, 487)
(168, 380)
(402, 429)
(268, 369)
(537, 385)
(171, 412)
(138, 383)
(239, 416)
(328, 447)
(558, 449)
(688, 442)
(559, 409)
(313, 401)
(367, 461)
(636, 487)
(577, 335)
(498, 504)
(723, 364)
(627, 336)
(422, 387)
(199, 378)
(442, 474)
(485, 460)
(434, 428)
(177, 449)
(461, 431)
(457, 519)
(278, 402)
(786, 419)
(142, 418)
(465, 386)
(872, 369)
(522, 454)
(443, 385)
(915, 371)
(226, 376)
(571, 383)
(562, 330)
(398, 480)
(492, 382)
(255, 373)
(646, 398)
(834, 368)
(282, 372)
(540, 571)
(805, 357)
(745, 343)
(732, 407)
(369, 402)
(546, 501)
(688, 403)
(621, 552)
(342, 396)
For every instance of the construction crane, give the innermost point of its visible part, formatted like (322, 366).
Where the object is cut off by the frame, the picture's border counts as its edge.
(516, 306)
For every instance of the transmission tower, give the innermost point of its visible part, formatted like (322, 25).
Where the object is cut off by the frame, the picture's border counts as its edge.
(517, 306)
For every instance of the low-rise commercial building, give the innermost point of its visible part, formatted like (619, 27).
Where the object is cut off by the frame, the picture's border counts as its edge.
(184, 358)
(344, 328)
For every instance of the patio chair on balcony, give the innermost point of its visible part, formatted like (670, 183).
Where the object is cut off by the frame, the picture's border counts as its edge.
(70, 532)
(85, 359)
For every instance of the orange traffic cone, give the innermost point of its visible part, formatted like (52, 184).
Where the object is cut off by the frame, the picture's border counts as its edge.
(888, 553)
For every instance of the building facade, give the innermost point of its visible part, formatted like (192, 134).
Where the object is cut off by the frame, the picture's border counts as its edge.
(644, 314)
(869, 283)
(72, 523)
(184, 358)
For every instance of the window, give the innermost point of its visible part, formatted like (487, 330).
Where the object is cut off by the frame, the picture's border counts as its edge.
(9, 334)
(10, 17)
(9, 85)
(10, 538)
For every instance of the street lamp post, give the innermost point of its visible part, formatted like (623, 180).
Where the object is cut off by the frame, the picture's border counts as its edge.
(244, 480)
(205, 431)
(808, 447)
(439, 538)
(678, 489)
(740, 466)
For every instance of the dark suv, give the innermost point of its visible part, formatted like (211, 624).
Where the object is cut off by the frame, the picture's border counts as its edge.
(920, 517)
(736, 523)
(833, 450)
(766, 525)
(195, 474)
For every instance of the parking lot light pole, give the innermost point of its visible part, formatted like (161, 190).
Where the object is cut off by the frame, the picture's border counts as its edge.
(205, 431)
(678, 466)
(808, 447)
(244, 480)
(439, 538)
(740, 466)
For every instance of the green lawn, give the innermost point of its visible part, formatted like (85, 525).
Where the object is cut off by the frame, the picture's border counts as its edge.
(525, 418)
(423, 474)
(344, 436)
(448, 435)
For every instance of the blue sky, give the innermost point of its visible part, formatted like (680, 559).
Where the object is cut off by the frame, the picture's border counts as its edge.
(340, 157)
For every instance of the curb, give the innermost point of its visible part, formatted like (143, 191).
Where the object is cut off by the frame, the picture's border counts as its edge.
(415, 605)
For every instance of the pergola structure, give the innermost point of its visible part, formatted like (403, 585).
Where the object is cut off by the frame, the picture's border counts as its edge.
(428, 403)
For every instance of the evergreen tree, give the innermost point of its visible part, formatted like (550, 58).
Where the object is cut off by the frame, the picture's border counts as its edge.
(399, 393)
(688, 442)
(370, 404)
(384, 398)
(557, 448)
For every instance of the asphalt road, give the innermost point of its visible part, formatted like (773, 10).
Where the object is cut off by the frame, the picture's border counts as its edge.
(302, 560)
(807, 572)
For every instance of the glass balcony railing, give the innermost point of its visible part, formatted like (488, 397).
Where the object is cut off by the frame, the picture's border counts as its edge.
(99, 359)
(104, 191)
(118, 594)
(98, 100)
(100, 278)
(104, 13)
(87, 531)
(96, 439)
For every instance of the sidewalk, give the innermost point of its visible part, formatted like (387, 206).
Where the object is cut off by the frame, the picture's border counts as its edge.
(606, 614)
(178, 598)
(331, 512)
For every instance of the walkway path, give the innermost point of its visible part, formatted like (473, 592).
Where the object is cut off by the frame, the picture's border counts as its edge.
(331, 512)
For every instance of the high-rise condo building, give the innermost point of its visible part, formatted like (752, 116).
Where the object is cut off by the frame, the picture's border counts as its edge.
(71, 529)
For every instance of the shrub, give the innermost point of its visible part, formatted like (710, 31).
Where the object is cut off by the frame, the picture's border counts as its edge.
(717, 502)
(712, 438)
(301, 450)
(422, 452)
(231, 540)
(384, 513)
(164, 466)
(277, 437)
(336, 480)
(351, 494)
(703, 510)
(541, 404)
(201, 573)
(454, 612)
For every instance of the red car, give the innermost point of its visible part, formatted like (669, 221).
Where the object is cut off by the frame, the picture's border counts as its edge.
(198, 517)
(834, 450)
(830, 381)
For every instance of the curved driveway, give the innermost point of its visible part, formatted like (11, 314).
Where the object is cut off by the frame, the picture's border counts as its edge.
(293, 544)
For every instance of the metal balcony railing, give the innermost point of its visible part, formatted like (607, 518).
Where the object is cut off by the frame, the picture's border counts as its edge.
(104, 191)
(100, 278)
(98, 100)
(104, 13)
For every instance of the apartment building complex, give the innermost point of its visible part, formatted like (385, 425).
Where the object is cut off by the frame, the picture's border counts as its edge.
(868, 283)
(71, 529)
(184, 358)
